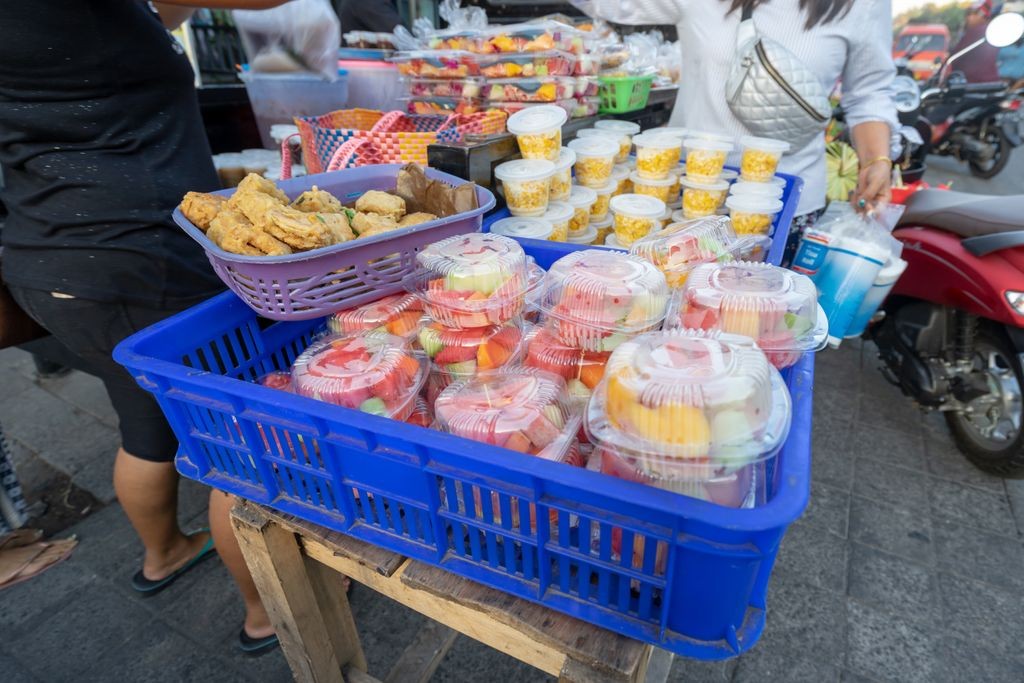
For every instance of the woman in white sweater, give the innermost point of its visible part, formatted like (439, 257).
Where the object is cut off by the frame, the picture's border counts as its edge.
(835, 39)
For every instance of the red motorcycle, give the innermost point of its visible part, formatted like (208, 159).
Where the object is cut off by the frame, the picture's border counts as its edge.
(952, 334)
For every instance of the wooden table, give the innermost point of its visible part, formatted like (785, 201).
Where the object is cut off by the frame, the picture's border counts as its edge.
(299, 569)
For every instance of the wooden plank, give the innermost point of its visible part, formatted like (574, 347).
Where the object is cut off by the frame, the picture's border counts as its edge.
(357, 676)
(421, 658)
(658, 666)
(329, 588)
(276, 564)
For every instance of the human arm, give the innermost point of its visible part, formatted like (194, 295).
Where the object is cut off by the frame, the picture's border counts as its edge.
(173, 16)
(632, 12)
(867, 101)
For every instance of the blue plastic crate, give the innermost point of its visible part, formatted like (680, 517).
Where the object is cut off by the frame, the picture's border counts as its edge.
(432, 496)
(546, 252)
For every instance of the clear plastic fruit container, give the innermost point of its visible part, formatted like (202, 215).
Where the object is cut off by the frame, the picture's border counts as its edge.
(635, 215)
(521, 409)
(437, 63)
(472, 280)
(595, 299)
(587, 64)
(603, 228)
(752, 214)
(561, 181)
(533, 65)
(532, 36)
(586, 86)
(442, 105)
(620, 174)
(371, 372)
(679, 248)
(469, 88)
(775, 307)
(422, 415)
(397, 314)
(658, 188)
(534, 291)
(657, 155)
(279, 379)
(702, 199)
(760, 157)
(560, 216)
(456, 39)
(537, 89)
(582, 370)
(625, 130)
(581, 199)
(526, 183)
(705, 158)
(595, 157)
(584, 107)
(599, 209)
(524, 227)
(768, 189)
(666, 218)
(464, 352)
(683, 407)
(538, 131)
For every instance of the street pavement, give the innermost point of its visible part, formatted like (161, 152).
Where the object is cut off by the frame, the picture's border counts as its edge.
(906, 565)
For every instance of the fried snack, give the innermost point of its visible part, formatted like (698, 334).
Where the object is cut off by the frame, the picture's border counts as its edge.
(416, 218)
(201, 208)
(364, 223)
(381, 203)
(317, 201)
(232, 231)
(337, 224)
(256, 206)
(254, 182)
(301, 231)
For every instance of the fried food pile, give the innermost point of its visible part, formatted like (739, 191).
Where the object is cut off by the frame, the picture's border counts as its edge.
(259, 220)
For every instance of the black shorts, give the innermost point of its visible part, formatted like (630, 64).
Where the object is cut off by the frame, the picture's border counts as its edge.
(91, 330)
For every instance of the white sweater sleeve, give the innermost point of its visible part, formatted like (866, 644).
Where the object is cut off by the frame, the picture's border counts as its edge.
(635, 12)
(869, 70)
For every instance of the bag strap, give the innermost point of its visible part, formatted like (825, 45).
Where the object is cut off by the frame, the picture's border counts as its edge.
(747, 31)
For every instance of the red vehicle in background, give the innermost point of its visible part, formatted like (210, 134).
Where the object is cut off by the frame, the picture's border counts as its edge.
(924, 47)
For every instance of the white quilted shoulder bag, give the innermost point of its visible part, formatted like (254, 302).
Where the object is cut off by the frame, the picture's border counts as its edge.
(771, 91)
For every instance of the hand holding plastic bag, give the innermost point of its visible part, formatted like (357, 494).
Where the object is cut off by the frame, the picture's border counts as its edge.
(301, 35)
(459, 17)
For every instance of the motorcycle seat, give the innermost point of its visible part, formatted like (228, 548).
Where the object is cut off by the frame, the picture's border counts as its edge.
(964, 214)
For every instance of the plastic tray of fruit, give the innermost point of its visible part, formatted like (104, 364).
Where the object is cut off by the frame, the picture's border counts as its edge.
(543, 89)
(442, 105)
(535, 36)
(445, 87)
(437, 64)
(576, 108)
(535, 65)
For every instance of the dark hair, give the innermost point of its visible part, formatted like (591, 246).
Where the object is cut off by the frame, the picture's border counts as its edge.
(818, 11)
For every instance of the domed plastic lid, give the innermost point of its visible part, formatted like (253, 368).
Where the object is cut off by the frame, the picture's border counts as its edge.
(374, 373)
(598, 297)
(637, 179)
(582, 196)
(607, 189)
(587, 236)
(524, 169)
(535, 120)
(638, 205)
(566, 158)
(716, 144)
(596, 133)
(558, 212)
(753, 203)
(522, 409)
(671, 397)
(582, 370)
(473, 256)
(775, 307)
(605, 222)
(596, 146)
(743, 187)
(616, 126)
(657, 140)
(712, 186)
(398, 314)
(611, 241)
(681, 247)
(519, 226)
(462, 353)
(620, 172)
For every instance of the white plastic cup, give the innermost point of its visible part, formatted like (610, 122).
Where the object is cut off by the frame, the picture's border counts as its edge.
(660, 188)
(656, 155)
(705, 158)
(599, 209)
(624, 131)
(561, 181)
(558, 215)
(702, 199)
(744, 187)
(586, 237)
(636, 215)
(538, 131)
(760, 157)
(523, 227)
(751, 214)
(581, 200)
(595, 157)
(526, 183)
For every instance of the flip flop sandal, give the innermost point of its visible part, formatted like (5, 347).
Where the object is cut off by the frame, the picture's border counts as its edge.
(256, 646)
(151, 587)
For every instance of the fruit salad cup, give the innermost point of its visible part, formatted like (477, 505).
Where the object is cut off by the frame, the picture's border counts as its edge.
(625, 130)
(560, 216)
(677, 409)
(374, 373)
(702, 199)
(581, 200)
(752, 214)
(561, 181)
(582, 370)
(656, 155)
(526, 183)
(538, 89)
(620, 174)
(538, 131)
(602, 228)
(705, 158)
(595, 157)
(659, 189)
(635, 215)
(595, 299)
(760, 158)
(528, 228)
(398, 314)
(681, 247)
(599, 209)
(534, 65)
(462, 353)
(775, 307)
(472, 280)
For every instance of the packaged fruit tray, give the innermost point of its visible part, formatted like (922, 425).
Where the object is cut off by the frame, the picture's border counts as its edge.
(445, 87)
(575, 107)
(443, 105)
(535, 65)
(697, 579)
(541, 89)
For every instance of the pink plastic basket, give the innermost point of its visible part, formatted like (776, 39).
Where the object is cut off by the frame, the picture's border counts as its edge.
(323, 281)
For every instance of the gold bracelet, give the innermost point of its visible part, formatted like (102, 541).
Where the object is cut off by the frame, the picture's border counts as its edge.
(875, 161)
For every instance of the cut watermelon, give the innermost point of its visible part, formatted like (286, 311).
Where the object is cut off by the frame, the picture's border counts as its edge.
(541, 432)
(455, 354)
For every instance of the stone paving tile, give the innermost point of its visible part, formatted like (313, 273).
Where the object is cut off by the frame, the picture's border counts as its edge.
(898, 531)
(1015, 493)
(894, 585)
(85, 392)
(968, 661)
(25, 606)
(769, 662)
(896, 486)
(814, 556)
(97, 478)
(978, 555)
(469, 658)
(203, 605)
(804, 619)
(108, 546)
(946, 462)
(890, 446)
(889, 647)
(692, 671)
(13, 671)
(890, 411)
(832, 460)
(980, 613)
(270, 667)
(972, 507)
(828, 509)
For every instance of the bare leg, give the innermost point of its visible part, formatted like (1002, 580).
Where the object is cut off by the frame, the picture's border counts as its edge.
(148, 492)
(257, 622)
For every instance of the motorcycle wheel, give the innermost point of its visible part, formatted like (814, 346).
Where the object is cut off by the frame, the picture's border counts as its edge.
(997, 163)
(991, 436)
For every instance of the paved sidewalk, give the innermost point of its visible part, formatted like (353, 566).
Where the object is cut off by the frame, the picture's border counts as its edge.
(906, 566)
